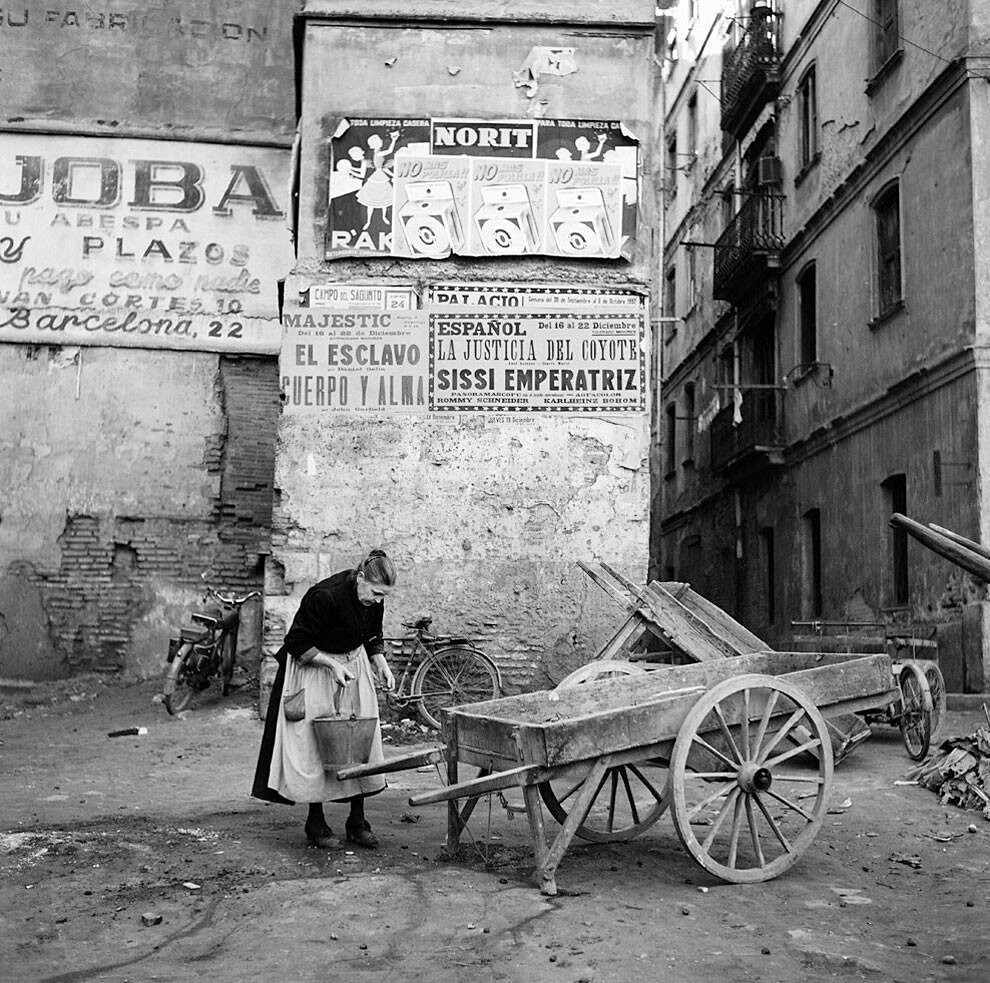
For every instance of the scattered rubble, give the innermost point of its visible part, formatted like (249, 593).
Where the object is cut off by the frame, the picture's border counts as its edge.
(959, 772)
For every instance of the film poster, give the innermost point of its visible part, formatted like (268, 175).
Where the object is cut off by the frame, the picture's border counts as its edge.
(521, 361)
(354, 362)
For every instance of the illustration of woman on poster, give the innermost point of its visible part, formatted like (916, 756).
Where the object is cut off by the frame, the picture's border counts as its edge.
(376, 192)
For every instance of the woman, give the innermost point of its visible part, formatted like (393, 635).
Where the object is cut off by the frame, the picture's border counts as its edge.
(329, 653)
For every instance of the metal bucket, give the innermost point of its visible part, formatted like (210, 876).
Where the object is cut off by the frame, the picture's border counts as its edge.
(344, 740)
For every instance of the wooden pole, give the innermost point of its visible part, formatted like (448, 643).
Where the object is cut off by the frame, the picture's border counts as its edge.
(961, 540)
(977, 565)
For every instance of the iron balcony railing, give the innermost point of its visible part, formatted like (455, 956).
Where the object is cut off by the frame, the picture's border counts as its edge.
(751, 71)
(759, 432)
(750, 244)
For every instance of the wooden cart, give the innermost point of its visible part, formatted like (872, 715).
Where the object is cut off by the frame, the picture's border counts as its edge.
(738, 749)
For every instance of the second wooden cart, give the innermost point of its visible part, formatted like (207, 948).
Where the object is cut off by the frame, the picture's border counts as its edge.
(738, 750)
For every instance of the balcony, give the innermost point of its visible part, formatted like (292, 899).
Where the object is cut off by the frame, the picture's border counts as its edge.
(749, 248)
(757, 442)
(751, 72)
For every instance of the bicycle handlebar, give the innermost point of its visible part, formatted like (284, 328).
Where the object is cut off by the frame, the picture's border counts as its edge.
(232, 599)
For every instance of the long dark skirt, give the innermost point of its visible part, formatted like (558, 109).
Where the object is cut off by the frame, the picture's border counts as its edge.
(260, 789)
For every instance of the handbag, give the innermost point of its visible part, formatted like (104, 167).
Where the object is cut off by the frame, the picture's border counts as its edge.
(294, 706)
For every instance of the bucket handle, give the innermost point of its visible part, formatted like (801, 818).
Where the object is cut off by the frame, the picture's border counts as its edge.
(339, 692)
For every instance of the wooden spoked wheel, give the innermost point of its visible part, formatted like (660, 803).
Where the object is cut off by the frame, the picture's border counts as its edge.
(917, 715)
(747, 801)
(630, 797)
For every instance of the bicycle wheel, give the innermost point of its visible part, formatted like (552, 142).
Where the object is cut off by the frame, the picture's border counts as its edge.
(451, 677)
(228, 657)
(936, 683)
(915, 719)
(179, 685)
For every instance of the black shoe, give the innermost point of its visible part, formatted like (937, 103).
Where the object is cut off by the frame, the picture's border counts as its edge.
(321, 837)
(360, 833)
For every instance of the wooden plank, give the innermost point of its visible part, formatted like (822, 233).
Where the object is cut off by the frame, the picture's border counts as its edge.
(741, 638)
(960, 540)
(684, 629)
(415, 760)
(974, 563)
(481, 785)
(534, 816)
(579, 811)
(453, 816)
(606, 583)
(625, 638)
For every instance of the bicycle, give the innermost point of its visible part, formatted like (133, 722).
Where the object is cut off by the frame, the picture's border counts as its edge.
(451, 672)
(201, 652)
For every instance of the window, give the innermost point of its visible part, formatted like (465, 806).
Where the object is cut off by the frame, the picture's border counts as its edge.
(885, 39)
(692, 125)
(670, 296)
(689, 422)
(769, 573)
(670, 455)
(887, 209)
(811, 564)
(807, 119)
(671, 167)
(895, 500)
(807, 284)
(725, 375)
(692, 265)
(728, 205)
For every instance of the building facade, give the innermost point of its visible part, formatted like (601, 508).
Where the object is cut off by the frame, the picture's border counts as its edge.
(460, 387)
(826, 289)
(144, 222)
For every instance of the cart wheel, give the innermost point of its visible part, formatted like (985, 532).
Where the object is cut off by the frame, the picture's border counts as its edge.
(746, 802)
(916, 715)
(936, 684)
(602, 669)
(630, 797)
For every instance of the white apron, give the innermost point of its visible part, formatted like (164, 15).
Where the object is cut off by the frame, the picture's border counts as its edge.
(297, 769)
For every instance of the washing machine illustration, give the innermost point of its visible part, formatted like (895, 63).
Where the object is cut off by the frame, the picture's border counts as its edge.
(505, 222)
(580, 226)
(430, 221)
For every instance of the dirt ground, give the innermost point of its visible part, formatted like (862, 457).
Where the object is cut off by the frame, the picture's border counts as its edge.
(143, 858)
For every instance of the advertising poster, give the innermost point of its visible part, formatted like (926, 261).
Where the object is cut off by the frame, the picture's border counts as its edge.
(363, 154)
(431, 206)
(484, 137)
(338, 362)
(602, 141)
(584, 211)
(362, 296)
(506, 207)
(504, 362)
(533, 297)
(142, 243)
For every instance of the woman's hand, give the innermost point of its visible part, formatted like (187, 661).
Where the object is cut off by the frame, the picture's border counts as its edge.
(382, 672)
(342, 676)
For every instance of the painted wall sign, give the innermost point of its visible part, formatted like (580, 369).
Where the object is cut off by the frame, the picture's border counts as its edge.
(362, 296)
(338, 362)
(581, 362)
(431, 188)
(141, 243)
(116, 60)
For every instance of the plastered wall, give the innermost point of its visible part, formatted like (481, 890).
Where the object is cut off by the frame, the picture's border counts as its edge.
(128, 475)
(486, 520)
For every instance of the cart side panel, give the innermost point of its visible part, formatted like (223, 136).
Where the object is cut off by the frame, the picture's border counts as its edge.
(561, 727)
(547, 706)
